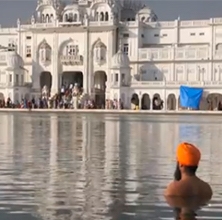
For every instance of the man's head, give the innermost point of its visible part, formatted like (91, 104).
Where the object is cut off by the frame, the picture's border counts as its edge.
(188, 157)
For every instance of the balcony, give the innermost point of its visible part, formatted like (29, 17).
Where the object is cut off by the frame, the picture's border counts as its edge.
(150, 54)
(38, 25)
(175, 84)
(191, 54)
(166, 54)
(71, 60)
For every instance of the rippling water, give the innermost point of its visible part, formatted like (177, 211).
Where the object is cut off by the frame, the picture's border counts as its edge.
(100, 166)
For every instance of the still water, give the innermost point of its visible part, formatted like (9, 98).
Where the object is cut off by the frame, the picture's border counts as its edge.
(89, 167)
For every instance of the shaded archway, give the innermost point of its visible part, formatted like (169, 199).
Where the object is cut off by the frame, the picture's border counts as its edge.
(72, 78)
(157, 102)
(214, 101)
(46, 80)
(2, 100)
(171, 102)
(145, 102)
(2, 96)
(135, 101)
(100, 79)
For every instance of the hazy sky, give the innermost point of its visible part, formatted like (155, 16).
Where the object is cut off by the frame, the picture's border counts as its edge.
(10, 10)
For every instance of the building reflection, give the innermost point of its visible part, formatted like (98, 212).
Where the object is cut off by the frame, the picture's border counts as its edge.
(84, 167)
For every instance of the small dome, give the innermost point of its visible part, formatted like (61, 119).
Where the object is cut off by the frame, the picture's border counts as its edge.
(145, 10)
(14, 61)
(72, 6)
(120, 60)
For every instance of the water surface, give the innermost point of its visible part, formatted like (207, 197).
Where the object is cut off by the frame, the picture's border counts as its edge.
(67, 166)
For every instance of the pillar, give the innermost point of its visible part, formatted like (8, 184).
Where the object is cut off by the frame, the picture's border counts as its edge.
(140, 102)
(55, 75)
(151, 104)
(87, 61)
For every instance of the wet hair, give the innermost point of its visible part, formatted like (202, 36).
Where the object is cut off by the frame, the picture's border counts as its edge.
(191, 170)
(177, 173)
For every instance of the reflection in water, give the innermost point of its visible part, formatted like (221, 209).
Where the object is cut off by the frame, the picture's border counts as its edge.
(99, 167)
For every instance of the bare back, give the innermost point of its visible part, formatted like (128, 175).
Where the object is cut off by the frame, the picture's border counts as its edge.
(192, 186)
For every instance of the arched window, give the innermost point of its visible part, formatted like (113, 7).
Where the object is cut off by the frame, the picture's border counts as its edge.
(143, 19)
(43, 18)
(97, 16)
(70, 17)
(101, 16)
(51, 17)
(47, 18)
(75, 17)
(66, 17)
(106, 16)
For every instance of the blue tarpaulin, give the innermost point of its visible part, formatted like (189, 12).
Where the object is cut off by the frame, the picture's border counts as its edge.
(190, 97)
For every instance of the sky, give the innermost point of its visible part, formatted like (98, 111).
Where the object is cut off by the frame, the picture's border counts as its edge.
(166, 10)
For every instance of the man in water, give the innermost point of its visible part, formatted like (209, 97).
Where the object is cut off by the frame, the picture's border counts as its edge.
(186, 183)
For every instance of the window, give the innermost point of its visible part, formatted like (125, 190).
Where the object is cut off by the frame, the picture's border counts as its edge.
(125, 35)
(116, 77)
(10, 78)
(28, 37)
(156, 35)
(22, 79)
(11, 47)
(164, 35)
(123, 79)
(142, 35)
(192, 34)
(201, 34)
(28, 51)
(72, 50)
(126, 48)
(16, 78)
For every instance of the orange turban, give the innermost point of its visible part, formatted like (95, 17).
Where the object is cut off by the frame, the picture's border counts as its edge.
(188, 154)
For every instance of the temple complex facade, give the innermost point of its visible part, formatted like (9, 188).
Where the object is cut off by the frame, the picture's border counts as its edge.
(113, 52)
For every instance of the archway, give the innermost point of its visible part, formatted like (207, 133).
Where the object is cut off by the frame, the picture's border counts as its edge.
(100, 79)
(214, 101)
(179, 106)
(135, 101)
(2, 100)
(72, 78)
(2, 96)
(145, 102)
(46, 80)
(157, 102)
(171, 102)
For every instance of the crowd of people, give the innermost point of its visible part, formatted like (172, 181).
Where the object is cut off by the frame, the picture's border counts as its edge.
(71, 97)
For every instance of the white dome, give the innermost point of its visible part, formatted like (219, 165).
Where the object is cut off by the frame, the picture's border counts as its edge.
(73, 6)
(120, 60)
(14, 61)
(145, 10)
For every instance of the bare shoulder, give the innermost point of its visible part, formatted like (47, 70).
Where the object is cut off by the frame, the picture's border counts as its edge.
(207, 190)
(172, 189)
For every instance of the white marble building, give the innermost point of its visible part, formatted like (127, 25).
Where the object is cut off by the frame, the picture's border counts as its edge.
(112, 51)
